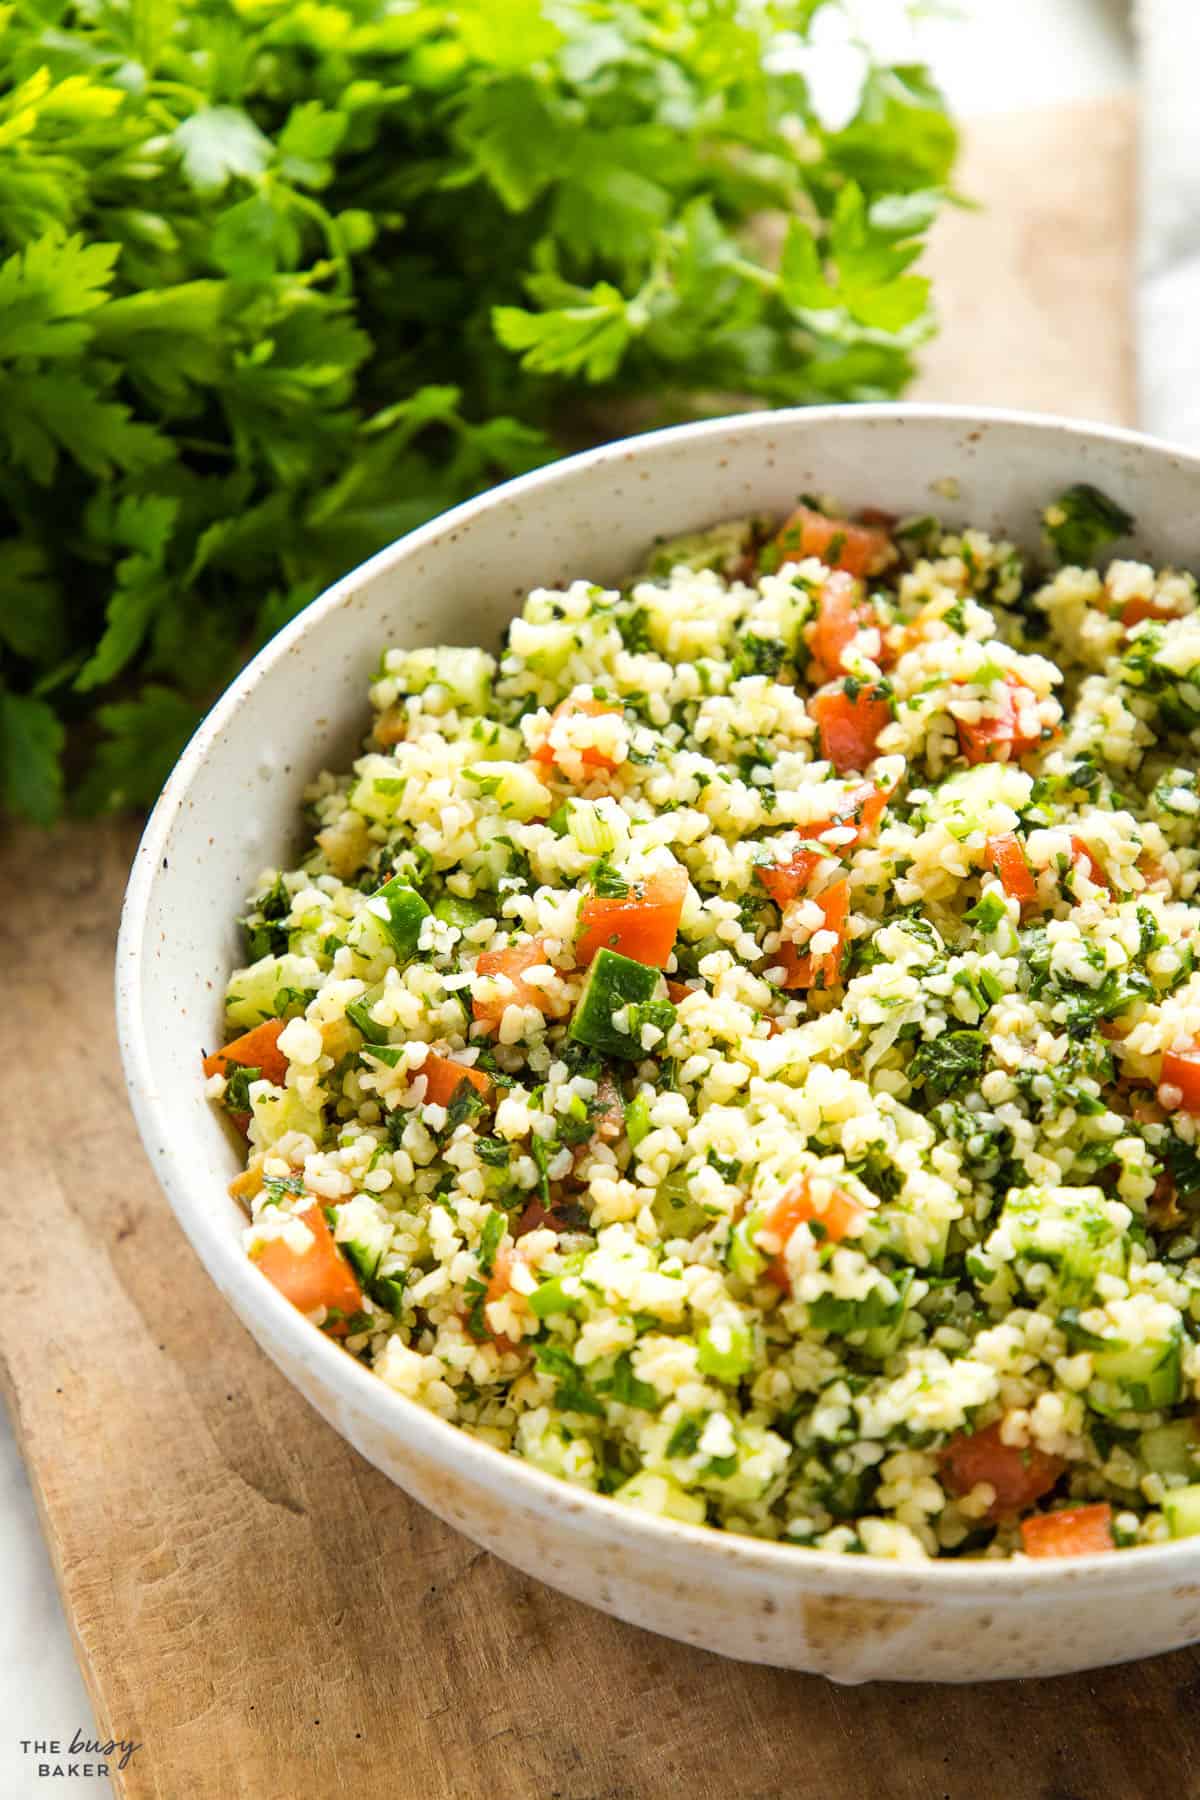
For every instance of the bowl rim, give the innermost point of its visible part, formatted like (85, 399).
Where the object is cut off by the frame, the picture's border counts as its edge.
(445, 1442)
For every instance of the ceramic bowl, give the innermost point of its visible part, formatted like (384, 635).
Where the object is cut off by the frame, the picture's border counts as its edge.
(231, 807)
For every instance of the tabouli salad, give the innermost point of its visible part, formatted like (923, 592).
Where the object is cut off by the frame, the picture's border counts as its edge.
(738, 1048)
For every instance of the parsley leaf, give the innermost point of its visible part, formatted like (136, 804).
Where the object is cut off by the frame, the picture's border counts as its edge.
(278, 284)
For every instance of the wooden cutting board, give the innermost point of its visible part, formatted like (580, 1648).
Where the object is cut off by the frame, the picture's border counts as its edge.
(265, 1614)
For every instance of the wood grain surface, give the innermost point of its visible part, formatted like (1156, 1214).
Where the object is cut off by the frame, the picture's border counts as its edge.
(264, 1613)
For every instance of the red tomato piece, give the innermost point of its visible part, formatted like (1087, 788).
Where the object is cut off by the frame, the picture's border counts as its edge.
(318, 1276)
(784, 880)
(840, 1217)
(848, 726)
(1080, 854)
(1006, 854)
(1010, 731)
(589, 755)
(257, 1049)
(499, 1282)
(804, 970)
(863, 809)
(511, 963)
(641, 924)
(856, 549)
(1181, 1070)
(1019, 1476)
(842, 613)
(1077, 1531)
(444, 1077)
(1139, 608)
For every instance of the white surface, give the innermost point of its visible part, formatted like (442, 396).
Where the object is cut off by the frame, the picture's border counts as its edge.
(1169, 272)
(42, 1696)
(999, 55)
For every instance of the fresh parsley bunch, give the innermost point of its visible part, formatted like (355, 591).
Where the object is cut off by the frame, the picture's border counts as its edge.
(282, 278)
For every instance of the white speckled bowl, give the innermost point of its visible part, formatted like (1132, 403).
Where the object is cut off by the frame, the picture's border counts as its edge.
(231, 807)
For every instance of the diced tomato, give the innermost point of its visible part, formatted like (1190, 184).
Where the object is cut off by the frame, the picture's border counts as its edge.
(1009, 731)
(444, 1077)
(1077, 1531)
(1140, 608)
(641, 924)
(848, 726)
(1181, 1070)
(806, 970)
(1006, 854)
(499, 1282)
(1019, 1476)
(840, 1217)
(318, 1276)
(842, 613)
(1081, 855)
(856, 549)
(257, 1049)
(589, 756)
(785, 880)
(863, 809)
(512, 963)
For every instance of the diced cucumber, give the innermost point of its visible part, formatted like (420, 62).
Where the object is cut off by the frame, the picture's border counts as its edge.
(1067, 1228)
(658, 1494)
(463, 913)
(722, 548)
(619, 988)
(401, 911)
(597, 827)
(1181, 1510)
(637, 1118)
(274, 987)
(495, 740)
(900, 1230)
(280, 1110)
(677, 1214)
(552, 1296)
(1172, 1449)
(377, 792)
(448, 676)
(363, 1233)
(743, 1257)
(726, 1350)
(545, 645)
(516, 787)
(1137, 1377)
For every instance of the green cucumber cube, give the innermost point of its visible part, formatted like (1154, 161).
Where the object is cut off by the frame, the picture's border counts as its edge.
(462, 913)
(1181, 1509)
(1067, 1228)
(618, 988)
(1172, 1449)
(401, 911)
(726, 1350)
(1137, 1377)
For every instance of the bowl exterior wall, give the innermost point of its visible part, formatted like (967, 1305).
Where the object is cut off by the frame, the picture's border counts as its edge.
(230, 810)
